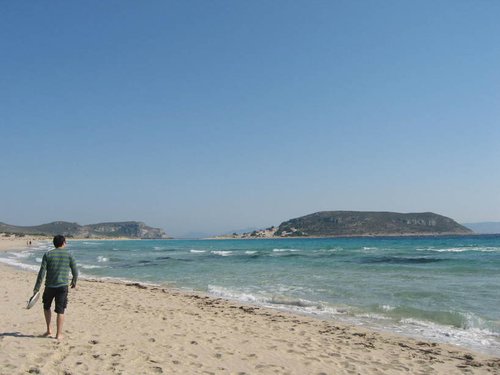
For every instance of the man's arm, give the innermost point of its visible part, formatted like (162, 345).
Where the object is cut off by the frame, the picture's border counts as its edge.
(74, 271)
(41, 274)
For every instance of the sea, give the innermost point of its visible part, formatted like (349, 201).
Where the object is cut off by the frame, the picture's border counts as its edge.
(442, 289)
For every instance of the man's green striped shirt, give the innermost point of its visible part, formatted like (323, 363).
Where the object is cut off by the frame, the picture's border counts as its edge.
(56, 264)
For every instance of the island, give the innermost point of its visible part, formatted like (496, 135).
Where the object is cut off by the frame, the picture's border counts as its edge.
(360, 223)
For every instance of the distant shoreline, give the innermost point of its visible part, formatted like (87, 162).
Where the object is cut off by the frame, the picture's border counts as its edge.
(10, 242)
(355, 236)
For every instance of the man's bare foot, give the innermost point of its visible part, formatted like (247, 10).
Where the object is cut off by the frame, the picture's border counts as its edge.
(46, 334)
(59, 337)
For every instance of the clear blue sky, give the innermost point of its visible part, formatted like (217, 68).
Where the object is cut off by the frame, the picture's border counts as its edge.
(212, 116)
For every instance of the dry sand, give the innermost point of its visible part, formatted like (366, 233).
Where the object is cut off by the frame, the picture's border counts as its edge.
(13, 243)
(114, 328)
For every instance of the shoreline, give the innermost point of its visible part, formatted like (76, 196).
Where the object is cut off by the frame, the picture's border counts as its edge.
(18, 244)
(276, 307)
(401, 235)
(146, 328)
(154, 329)
(22, 240)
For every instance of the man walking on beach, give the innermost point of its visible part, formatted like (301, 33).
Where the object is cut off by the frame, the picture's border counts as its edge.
(56, 263)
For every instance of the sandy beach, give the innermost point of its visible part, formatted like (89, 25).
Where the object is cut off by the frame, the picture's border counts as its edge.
(14, 243)
(118, 328)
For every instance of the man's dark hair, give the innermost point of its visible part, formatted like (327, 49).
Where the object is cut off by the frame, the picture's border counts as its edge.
(59, 240)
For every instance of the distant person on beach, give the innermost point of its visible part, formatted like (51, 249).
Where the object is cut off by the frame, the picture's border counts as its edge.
(56, 263)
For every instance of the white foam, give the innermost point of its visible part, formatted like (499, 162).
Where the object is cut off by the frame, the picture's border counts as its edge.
(220, 291)
(285, 250)
(482, 340)
(283, 303)
(387, 307)
(478, 338)
(21, 255)
(15, 263)
(92, 243)
(462, 249)
(282, 300)
(102, 259)
(372, 316)
(250, 252)
(321, 251)
(89, 266)
(197, 251)
(223, 253)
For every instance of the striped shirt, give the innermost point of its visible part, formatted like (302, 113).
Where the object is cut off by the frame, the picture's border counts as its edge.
(56, 264)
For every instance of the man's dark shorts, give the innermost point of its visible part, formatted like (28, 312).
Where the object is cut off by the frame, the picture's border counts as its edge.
(61, 296)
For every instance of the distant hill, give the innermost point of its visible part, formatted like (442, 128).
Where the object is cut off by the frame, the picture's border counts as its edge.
(484, 227)
(127, 229)
(358, 223)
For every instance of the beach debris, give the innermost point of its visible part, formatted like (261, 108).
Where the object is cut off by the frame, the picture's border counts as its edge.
(137, 285)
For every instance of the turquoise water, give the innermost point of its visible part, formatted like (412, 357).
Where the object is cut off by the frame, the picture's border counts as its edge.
(445, 289)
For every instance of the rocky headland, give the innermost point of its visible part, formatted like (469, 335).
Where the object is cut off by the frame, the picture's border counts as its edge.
(126, 229)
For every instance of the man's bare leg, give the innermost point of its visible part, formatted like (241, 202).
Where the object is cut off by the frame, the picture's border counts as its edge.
(48, 317)
(60, 322)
